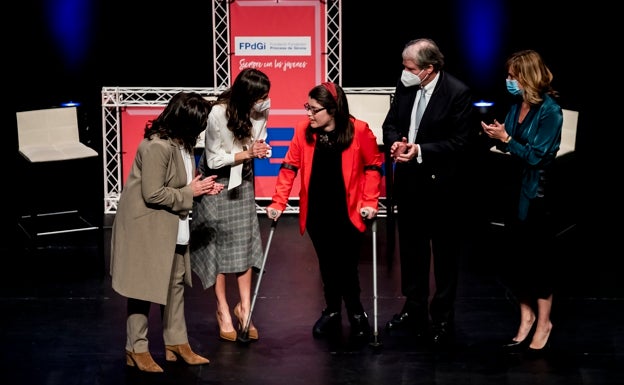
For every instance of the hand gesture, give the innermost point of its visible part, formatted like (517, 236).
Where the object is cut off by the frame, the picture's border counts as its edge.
(398, 148)
(410, 152)
(206, 185)
(495, 130)
(259, 149)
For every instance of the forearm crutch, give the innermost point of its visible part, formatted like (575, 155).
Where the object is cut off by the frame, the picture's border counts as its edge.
(375, 343)
(243, 337)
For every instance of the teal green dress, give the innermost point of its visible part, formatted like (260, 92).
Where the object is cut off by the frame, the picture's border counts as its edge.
(534, 143)
(533, 148)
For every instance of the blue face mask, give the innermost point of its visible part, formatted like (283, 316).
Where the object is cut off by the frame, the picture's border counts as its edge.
(512, 87)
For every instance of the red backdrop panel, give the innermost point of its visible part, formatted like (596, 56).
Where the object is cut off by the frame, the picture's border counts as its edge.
(285, 40)
(133, 120)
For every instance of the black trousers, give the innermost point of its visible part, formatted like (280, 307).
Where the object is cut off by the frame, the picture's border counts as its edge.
(418, 248)
(338, 244)
(429, 220)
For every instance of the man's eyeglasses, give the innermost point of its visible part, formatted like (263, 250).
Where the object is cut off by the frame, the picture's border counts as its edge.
(311, 109)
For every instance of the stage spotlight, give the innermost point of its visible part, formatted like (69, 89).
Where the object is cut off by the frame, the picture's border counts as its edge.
(483, 106)
(70, 104)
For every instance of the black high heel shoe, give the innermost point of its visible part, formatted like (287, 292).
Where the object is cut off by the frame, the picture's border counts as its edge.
(541, 352)
(517, 346)
(533, 354)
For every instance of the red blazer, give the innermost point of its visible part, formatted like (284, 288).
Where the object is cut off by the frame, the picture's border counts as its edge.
(361, 170)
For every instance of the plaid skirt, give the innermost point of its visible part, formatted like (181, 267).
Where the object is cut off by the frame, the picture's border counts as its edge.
(225, 234)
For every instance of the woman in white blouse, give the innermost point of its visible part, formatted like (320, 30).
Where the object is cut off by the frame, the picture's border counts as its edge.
(225, 230)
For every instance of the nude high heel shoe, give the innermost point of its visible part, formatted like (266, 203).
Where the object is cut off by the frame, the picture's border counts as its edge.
(172, 352)
(228, 336)
(143, 361)
(253, 332)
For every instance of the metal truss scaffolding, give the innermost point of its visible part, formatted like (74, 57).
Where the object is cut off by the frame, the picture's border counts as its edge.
(115, 99)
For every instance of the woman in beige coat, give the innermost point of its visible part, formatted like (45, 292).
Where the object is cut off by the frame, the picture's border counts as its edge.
(149, 245)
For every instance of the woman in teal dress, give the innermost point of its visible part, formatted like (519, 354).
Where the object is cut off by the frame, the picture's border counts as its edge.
(531, 134)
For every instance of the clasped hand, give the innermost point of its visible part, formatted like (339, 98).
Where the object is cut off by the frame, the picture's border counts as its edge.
(495, 130)
(403, 151)
(260, 149)
(205, 186)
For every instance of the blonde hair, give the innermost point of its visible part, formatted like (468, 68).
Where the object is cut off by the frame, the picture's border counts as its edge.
(532, 73)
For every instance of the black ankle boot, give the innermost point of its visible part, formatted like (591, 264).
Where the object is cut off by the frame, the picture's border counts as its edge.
(360, 329)
(328, 323)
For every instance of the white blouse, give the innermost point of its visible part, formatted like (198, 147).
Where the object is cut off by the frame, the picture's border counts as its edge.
(221, 146)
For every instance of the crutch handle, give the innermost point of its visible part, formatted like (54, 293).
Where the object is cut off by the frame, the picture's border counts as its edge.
(364, 214)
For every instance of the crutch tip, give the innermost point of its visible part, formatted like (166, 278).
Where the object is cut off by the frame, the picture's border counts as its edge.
(376, 346)
(243, 339)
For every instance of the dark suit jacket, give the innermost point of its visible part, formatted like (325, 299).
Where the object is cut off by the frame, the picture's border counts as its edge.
(444, 135)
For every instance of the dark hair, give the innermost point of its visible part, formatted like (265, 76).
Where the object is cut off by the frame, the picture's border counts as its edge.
(183, 119)
(249, 86)
(337, 107)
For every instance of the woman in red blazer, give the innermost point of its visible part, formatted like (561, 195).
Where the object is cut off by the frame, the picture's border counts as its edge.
(340, 167)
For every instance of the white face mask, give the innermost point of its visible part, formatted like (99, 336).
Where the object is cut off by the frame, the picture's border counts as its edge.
(409, 79)
(262, 106)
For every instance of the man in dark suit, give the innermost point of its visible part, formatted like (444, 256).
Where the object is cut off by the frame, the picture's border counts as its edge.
(429, 158)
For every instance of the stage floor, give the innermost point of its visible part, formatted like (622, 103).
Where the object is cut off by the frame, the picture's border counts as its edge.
(63, 324)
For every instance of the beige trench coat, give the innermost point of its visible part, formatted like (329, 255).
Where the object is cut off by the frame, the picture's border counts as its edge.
(145, 229)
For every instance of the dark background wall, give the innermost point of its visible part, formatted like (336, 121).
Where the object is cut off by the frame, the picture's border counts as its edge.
(140, 43)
